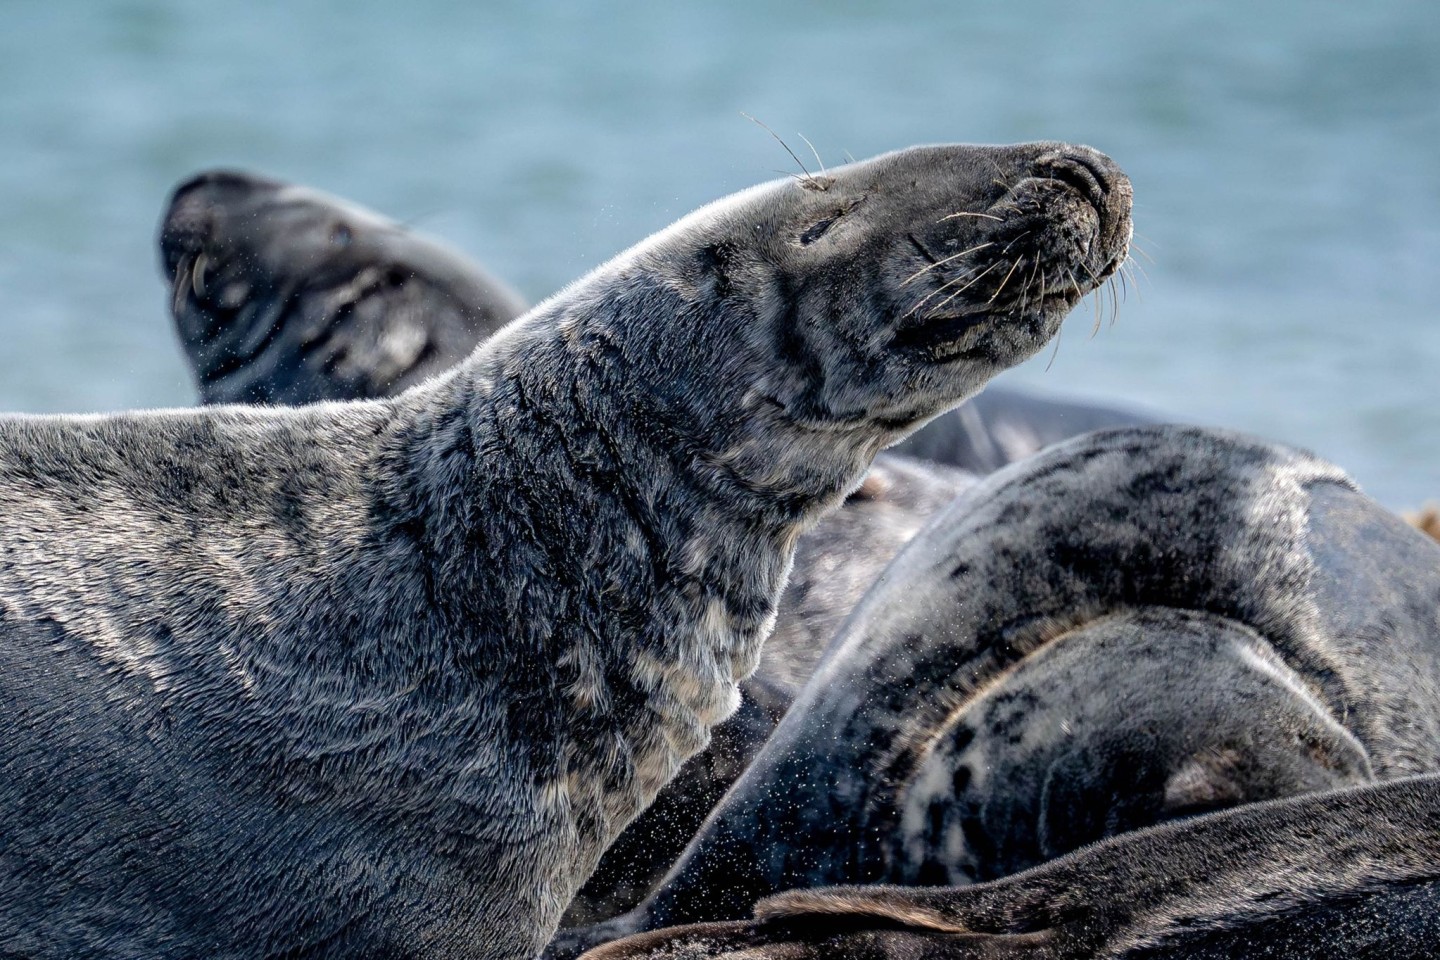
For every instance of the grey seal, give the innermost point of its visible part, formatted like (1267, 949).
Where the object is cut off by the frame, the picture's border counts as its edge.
(268, 256)
(835, 562)
(243, 250)
(1344, 873)
(284, 294)
(1134, 626)
(384, 678)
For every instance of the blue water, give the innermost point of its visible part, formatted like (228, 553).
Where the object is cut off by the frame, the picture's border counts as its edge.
(1286, 160)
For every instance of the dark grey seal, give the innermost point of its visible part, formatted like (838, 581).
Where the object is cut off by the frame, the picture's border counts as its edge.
(282, 294)
(245, 251)
(1345, 873)
(1131, 627)
(279, 241)
(384, 678)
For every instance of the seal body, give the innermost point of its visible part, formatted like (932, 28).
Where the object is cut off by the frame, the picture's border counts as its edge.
(283, 294)
(1132, 627)
(384, 678)
(835, 563)
(1342, 873)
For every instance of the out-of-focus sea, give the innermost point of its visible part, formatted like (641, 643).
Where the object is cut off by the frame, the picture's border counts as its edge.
(1285, 155)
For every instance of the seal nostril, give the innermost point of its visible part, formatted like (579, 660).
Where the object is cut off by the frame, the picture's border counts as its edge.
(1083, 177)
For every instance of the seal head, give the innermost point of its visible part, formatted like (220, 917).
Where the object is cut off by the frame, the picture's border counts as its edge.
(283, 294)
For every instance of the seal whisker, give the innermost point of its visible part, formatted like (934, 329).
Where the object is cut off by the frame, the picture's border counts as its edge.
(1056, 351)
(823, 171)
(967, 286)
(941, 289)
(1137, 268)
(1006, 249)
(1001, 173)
(971, 213)
(1008, 275)
(808, 175)
(1129, 271)
(944, 260)
(1026, 286)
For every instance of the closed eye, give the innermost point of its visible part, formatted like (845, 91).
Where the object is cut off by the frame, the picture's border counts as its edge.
(817, 229)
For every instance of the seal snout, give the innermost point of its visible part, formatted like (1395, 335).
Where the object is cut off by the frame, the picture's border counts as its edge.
(192, 216)
(1090, 172)
(1099, 180)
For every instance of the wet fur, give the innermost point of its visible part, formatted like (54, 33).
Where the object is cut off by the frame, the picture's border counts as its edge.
(384, 678)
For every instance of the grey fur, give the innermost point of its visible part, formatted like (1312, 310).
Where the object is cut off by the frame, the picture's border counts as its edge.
(276, 241)
(282, 294)
(264, 253)
(384, 678)
(834, 564)
(1279, 633)
(1345, 873)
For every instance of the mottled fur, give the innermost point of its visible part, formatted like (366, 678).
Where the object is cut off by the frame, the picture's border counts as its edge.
(1277, 633)
(834, 564)
(384, 678)
(254, 260)
(1345, 873)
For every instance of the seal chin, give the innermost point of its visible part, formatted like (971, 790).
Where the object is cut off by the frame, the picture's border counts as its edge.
(943, 338)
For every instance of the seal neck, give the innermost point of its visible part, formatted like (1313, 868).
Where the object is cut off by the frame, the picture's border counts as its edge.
(609, 571)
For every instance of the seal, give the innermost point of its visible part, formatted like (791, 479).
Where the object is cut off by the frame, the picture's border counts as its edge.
(1029, 678)
(384, 678)
(283, 294)
(231, 225)
(834, 565)
(1342, 873)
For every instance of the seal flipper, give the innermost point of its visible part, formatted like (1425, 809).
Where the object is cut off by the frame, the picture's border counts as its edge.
(1339, 873)
(817, 938)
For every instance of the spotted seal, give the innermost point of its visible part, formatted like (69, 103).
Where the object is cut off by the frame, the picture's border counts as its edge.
(385, 678)
(1135, 626)
(284, 294)
(1352, 872)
